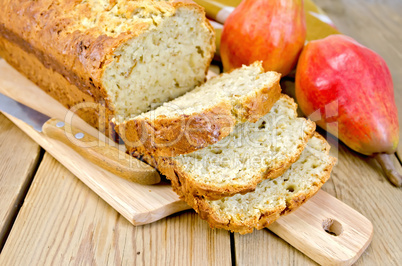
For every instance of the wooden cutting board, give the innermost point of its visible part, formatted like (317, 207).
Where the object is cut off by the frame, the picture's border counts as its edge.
(324, 228)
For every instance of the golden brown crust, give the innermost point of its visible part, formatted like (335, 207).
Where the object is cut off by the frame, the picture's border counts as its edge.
(69, 56)
(206, 212)
(54, 84)
(188, 185)
(300, 198)
(265, 218)
(183, 134)
(178, 135)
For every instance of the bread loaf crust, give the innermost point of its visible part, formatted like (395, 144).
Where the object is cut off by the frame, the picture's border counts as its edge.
(183, 134)
(50, 35)
(54, 84)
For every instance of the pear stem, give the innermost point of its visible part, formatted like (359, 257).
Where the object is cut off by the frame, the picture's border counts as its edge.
(385, 160)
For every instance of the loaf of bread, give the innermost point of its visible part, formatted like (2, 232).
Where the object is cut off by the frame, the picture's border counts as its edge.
(105, 58)
(272, 197)
(237, 163)
(204, 115)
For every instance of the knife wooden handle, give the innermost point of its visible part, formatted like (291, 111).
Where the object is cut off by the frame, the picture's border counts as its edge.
(101, 154)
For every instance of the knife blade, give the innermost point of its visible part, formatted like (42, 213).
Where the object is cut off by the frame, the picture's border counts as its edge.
(91, 148)
(22, 112)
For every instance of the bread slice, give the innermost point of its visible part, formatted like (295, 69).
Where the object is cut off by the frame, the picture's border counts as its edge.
(236, 164)
(272, 197)
(203, 116)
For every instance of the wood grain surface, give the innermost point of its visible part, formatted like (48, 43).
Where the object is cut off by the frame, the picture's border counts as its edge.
(327, 230)
(141, 204)
(357, 180)
(16, 172)
(63, 222)
(116, 161)
(89, 231)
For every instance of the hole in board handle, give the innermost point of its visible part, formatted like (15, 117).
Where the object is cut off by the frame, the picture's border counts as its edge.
(332, 227)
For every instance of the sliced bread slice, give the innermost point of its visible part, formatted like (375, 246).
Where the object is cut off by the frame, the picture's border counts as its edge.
(203, 116)
(271, 198)
(237, 163)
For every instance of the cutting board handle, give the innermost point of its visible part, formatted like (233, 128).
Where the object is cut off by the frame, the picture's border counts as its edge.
(327, 230)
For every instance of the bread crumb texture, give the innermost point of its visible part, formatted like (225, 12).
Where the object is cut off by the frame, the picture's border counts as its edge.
(234, 88)
(131, 56)
(251, 148)
(251, 153)
(162, 63)
(272, 198)
(204, 115)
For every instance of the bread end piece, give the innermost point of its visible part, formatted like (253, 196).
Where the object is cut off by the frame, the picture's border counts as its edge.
(271, 199)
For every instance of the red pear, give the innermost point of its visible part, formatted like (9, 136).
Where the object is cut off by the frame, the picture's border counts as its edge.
(351, 85)
(272, 31)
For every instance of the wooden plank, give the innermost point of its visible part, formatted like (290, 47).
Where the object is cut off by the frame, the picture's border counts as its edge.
(265, 248)
(140, 204)
(358, 182)
(327, 230)
(19, 158)
(376, 24)
(63, 222)
(324, 228)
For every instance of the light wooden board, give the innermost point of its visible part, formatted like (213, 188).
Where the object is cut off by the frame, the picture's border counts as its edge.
(341, 234)
(344, 239)
(138, 203)
(358, 182)
(302, 226)
(16, 172)
(330, 235)
(63, 222)
(141, 204)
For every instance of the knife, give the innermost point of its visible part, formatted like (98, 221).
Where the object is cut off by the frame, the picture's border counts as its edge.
(91, 148)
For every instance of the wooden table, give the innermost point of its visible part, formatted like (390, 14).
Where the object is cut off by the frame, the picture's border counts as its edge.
(47, 216)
